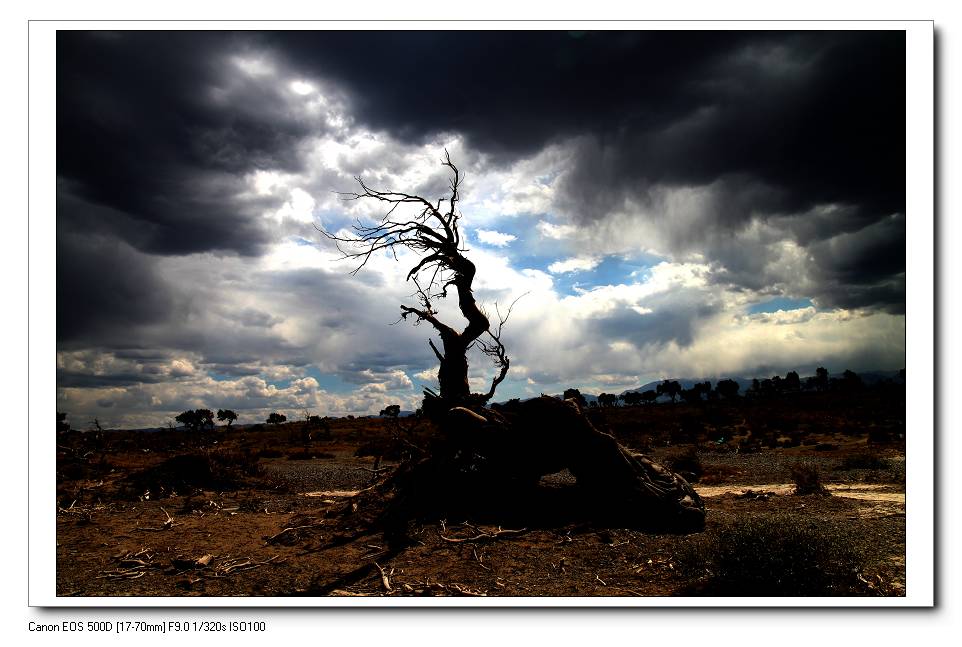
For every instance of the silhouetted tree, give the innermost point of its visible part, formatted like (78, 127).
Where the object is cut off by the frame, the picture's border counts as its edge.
(391, 411)
(607, 399)
(777, 385)
(575, 394)
(631, 398)
(205, 418)
(728, 389)
(851, 381)
(698, 389)
(62, 424)
(649, 396)
(821, 378)
(671, 388)
(792, 382)
(226, 414)
(433, 233)
(189, 419)
(276, 418)
(767, 388)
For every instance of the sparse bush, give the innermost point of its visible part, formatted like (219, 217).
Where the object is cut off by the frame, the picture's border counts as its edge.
(189, 473)
(807, 480)
(224, 462)
(687, 464)
(779, 555)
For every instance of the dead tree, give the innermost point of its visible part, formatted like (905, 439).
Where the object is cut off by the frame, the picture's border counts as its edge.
(482, 450)
(432, 231)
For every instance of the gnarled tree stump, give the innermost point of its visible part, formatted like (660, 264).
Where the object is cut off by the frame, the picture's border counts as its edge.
(499, 456)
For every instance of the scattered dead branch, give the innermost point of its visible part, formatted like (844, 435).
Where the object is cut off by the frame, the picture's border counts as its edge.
(83, 514)
(484, 536)
(479, 558)
(167, 525)
(291, 532)
(131, 565)
(385, 577)
(186, 563)
(230, 566)
(211, 566)
(439, 588)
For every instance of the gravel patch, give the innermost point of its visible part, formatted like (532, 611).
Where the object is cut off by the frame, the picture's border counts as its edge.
(320, 474)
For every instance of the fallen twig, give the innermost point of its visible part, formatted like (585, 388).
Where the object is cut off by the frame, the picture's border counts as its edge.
(385, 578)
(274, 538)
(167, 525)
(483, 535)
(230, 566)
(478, 558)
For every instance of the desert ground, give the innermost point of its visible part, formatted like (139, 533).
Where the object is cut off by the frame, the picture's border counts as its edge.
(805, 495)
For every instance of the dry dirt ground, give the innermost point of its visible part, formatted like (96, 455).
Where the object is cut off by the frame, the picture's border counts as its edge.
(269, 520)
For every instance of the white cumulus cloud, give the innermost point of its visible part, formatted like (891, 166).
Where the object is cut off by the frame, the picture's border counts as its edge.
(495, 238)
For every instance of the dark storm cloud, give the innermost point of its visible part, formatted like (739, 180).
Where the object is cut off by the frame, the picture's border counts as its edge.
(863, 269)
(74, 379)
(154, 132)
(817, 114)
(104, 288)
(157, 128)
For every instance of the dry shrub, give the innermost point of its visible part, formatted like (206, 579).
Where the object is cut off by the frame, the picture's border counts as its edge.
(687, 464)
(227, 462)
(807, 480)
(188, 473)
(777, 555)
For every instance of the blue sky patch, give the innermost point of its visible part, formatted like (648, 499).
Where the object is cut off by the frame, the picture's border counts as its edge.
(780, 303)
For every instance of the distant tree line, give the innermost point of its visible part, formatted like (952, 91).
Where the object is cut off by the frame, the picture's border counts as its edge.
(726, 389)
(200, 419)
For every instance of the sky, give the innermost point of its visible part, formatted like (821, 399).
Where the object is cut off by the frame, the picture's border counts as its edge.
(670, 204)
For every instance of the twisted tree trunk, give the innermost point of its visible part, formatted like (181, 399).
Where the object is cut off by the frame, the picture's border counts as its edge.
(481, 450)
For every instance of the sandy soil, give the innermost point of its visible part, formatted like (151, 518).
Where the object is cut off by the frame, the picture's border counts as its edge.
(291, 525)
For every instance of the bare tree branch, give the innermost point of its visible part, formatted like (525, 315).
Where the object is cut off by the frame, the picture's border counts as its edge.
(433, 233)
